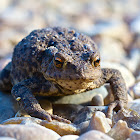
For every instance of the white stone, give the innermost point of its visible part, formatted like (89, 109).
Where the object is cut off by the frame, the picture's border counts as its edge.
(99, 122)
(28, 132)
(69, 137)
(94, 135)
(120, 131)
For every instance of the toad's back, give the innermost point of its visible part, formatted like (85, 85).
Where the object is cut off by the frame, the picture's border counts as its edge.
(29, 54)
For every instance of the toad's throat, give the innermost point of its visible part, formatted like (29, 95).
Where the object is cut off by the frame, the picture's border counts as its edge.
(74, 85)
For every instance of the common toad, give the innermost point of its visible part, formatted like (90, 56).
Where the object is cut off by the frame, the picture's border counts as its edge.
(57, 62)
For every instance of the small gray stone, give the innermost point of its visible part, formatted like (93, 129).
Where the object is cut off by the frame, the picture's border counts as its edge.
(94, 135)
(83, 126)
(97, 100)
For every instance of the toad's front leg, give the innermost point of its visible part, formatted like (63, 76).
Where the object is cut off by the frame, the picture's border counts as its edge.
(23, 93)
(118, 86)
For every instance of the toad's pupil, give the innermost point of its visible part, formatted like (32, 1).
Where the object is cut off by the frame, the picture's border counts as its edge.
(58, 62)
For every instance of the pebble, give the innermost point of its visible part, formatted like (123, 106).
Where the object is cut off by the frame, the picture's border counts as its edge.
(83, 126)
(99, 122)
(69, 137)
(15, 13)
(136, 90)
(84, 24)
(7, 138)
(138, 78)
(94, 135)
(120, 131)
(134, 105)
(131, 117)
(112, 29)
(97, 100)
(28, 132)
(133, 63)
(59, 127)
(4, 4)
(112, 45)
(135, 135)
(82, 98)
(86, 113)
(135, 25)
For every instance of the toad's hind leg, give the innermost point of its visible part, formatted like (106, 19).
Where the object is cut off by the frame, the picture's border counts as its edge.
(5, 78)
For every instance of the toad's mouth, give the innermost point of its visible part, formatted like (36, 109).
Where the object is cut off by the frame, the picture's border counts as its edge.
(76, 84)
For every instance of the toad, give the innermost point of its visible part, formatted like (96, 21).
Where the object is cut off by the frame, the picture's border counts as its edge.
(58, 62)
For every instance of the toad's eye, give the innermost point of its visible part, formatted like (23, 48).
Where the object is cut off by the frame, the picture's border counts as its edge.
(96, 61)
(58, 62)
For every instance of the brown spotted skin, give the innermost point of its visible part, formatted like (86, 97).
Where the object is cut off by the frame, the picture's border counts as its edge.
(58, 62)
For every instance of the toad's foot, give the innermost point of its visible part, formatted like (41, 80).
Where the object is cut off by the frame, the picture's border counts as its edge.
(116, 105)
(42, 114)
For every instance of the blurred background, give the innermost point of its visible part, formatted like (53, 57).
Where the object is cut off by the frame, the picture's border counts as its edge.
(114, 25)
